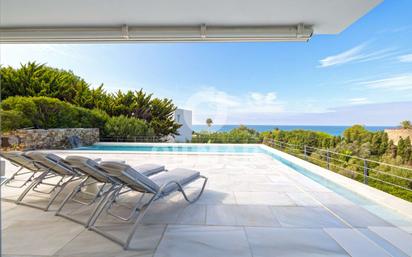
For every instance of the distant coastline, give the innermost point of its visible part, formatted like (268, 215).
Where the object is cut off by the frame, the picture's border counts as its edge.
(333, 130)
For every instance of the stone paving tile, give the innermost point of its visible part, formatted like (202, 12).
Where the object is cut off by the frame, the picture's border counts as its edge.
(397, 237)
(280, 180)
(22, 213)
(91, 244)
(391, 249)
(303, 199)
(357, 216)
(355, 243)
(203, 241)
(217, 197)
(241, 215)
(13, 255)
(269, 242)
(407, 229)
(194, 214)
(38, 237)
(221, 215)
(164, 213)
(255, 215)
(330, 198)
(264, 198)
(306, 217)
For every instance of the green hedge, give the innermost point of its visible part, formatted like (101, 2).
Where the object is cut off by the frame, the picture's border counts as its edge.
(124, 127)
(241, 134)
(45, 112)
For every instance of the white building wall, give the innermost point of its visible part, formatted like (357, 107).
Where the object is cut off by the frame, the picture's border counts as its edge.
(184, 117)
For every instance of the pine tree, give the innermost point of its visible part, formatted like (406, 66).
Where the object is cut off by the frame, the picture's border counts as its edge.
(407, 154)
(401, 148)
(392, 149)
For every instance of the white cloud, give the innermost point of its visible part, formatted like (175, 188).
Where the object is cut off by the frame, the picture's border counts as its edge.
(398, 82)
(358, 53)
(223, 107)
(395, 30)
(262, 102)
(59, 55)
(359, 100)
(405, 58)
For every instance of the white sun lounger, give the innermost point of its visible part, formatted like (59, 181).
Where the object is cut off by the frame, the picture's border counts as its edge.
(26, 165)
(94, 174)
(157, 186)
(52, 166)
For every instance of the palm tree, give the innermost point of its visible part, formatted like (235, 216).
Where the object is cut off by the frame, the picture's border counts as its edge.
(209, 123)
(406, 124)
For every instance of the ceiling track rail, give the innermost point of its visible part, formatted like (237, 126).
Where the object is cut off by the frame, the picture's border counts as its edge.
(125, 33)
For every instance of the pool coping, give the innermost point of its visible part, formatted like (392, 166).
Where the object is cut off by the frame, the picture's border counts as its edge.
(172, 144)
(380, 197)
(165, 145)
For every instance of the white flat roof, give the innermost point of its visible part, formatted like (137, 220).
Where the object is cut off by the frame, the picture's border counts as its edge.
(323, 16)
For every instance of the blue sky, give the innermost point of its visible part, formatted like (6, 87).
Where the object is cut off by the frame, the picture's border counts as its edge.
(363, 75)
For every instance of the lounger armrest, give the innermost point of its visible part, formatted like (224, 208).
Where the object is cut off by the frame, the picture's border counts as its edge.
(100, 160)
(14, 164)
(119, 161)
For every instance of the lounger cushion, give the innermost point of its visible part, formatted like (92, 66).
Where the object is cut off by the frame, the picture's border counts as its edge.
(182, 176)
(19, 159)
(149, 168)
(51, 161)
(88, 167)
(128, 175)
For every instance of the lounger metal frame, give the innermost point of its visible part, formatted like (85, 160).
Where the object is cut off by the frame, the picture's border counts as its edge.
(109, 184)
(106, 188)
(48, 173)
(139, 209)
(19, 172)
(102, 193)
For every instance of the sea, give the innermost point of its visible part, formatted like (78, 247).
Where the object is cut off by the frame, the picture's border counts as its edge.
(332, 130)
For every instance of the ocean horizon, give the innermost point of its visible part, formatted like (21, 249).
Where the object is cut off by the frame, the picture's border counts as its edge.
(332, 130)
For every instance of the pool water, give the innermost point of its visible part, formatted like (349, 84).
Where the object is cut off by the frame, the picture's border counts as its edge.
(176, 148)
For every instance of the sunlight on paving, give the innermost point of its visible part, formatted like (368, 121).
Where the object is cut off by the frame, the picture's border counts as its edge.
(252, 206)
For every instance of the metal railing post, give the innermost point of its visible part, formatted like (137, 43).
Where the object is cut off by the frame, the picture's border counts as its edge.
(305, 152)
(365, 171)
(328, 159)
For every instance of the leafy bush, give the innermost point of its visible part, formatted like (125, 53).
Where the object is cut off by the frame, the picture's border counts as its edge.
(12, 120)
(124, 127)
(356, 142)
(33, 79)
(406, 124)
(45, 112)
(242, 134)
(302, 137)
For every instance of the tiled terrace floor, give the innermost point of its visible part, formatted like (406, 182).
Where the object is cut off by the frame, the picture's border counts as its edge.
(252, 206)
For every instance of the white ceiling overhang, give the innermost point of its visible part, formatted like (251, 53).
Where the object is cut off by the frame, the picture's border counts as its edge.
(175, 20)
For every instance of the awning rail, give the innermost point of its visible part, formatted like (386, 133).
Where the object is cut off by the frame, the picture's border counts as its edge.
(201, 33)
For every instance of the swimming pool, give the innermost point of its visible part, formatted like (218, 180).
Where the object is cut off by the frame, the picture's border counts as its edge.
(175, 148)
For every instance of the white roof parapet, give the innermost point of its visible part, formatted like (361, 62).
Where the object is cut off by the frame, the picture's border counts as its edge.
(74, 21)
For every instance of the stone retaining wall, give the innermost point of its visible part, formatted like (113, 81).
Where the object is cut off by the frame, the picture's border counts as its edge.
(48, 138)
(396, 134)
